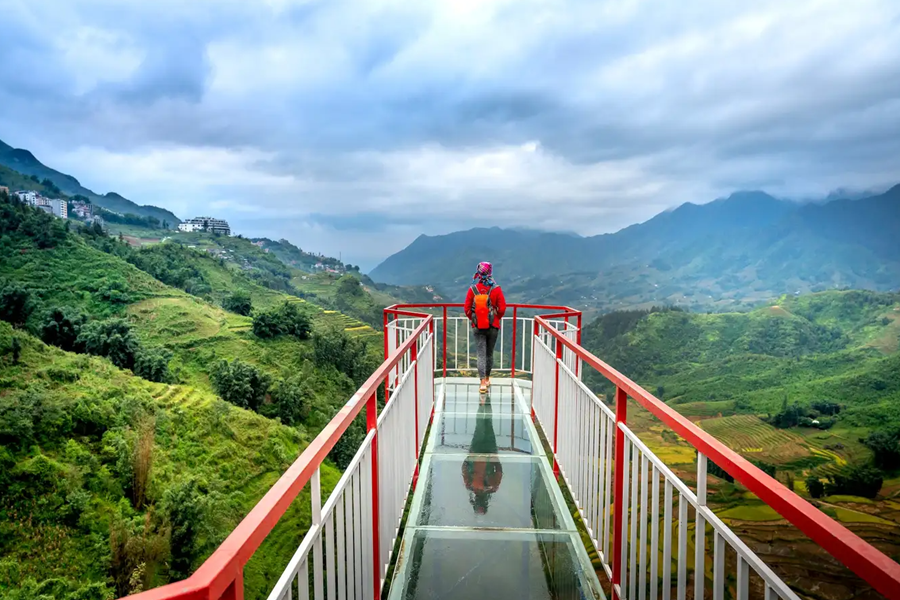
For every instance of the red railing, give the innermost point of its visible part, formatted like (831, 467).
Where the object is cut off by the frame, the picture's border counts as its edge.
(220, 577)
(877, 569)
(404, 310)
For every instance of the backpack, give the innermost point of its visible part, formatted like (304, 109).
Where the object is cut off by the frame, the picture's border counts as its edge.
(483, 310)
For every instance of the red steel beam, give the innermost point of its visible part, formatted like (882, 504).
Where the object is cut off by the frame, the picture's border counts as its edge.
(877, 569)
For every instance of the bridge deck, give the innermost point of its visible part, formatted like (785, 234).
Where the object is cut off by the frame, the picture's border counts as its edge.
(487, 518)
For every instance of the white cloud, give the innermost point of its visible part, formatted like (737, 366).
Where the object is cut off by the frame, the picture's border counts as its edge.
(340, 117)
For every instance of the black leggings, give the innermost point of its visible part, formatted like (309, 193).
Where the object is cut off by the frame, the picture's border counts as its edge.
(485, 340)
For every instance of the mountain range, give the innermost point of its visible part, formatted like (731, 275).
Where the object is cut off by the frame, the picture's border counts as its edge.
(24, 162)
(730, 252)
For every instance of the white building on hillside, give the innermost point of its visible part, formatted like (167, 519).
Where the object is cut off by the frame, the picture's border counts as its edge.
(60, 208)
(189, 227)
(209, 224)
(29, 197)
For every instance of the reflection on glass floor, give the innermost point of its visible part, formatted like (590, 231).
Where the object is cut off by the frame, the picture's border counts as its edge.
(487, 519)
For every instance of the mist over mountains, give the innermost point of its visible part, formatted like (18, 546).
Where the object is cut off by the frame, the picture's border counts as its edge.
(744, 248)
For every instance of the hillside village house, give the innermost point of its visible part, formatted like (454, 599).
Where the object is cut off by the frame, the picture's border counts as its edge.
(83, 210)
(54, 206)
(208, 224)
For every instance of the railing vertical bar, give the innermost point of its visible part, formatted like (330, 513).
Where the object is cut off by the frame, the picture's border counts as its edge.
(594, 480)
(341, 555)
(330, 570)
(587, 456)
(622, 513)
(303, 580)
(700, 530)
(718, 567)
(368, 518)
(770, 593)
(610, 491)
(654, 535)
(667, 542)
(682, 547)
(501, 336)
(455, 344)
(444, 334)
(512, 359)
(743, 578)
(357, 535)
(633, 539)
(644, 490)
(468, 353)
(316, 501)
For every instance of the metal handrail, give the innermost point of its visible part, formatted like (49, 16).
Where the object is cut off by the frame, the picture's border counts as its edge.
(877, 569)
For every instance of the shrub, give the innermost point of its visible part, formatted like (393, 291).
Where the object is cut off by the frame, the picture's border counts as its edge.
(885, 447)
(61, 327)
(291, 400)
(181, 503)
(238, 302)
(136, 547)
(815, 487)
(153, 364)
(283, 320)
(114, 339)
(241, 384)
(855, 480)
(16, 304)
(347, 354)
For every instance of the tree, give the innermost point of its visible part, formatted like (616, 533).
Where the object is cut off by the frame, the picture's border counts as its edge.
(16, 304)
(283, 320)
(181, 504)
(61, 327)
(16, 350)
(153, 364)
(348, 285)
(855, 480)
(241, 384)
(347, 354)
(114, 338)
(239, 302)
(291, 399)
(815, 487)
(885, 447)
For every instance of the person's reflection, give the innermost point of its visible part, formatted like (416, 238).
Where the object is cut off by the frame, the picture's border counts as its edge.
(481, 470)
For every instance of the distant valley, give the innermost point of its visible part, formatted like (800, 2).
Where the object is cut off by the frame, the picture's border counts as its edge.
(729, 254)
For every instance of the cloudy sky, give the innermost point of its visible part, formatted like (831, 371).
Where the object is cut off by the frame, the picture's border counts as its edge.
(354, 126)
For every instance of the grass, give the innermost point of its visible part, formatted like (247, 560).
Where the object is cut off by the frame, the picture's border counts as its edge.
(846, 515)
(750, 512)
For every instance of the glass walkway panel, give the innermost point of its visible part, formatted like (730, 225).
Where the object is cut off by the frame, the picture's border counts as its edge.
(487, 519)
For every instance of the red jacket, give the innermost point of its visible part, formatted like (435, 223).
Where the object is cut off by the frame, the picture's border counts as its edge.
(497, 301)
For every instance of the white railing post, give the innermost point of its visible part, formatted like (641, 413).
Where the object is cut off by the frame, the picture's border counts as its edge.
(315, 494)
(700, 530)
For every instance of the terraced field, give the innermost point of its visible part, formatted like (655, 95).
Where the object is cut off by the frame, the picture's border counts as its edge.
(753, 438)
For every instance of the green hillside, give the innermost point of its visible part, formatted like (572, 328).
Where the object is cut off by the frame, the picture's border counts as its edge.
(15, 181)
(72, 521)
(281, 267)
(809, 386)
(839, 346)
(24, 162)
(76, 521)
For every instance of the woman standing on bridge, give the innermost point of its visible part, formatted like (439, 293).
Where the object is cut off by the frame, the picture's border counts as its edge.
(485, 306)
